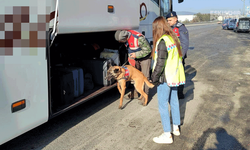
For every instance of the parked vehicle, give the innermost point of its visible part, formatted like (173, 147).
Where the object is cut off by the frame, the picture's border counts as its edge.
(231, 24)
(225, 24)
(242, 25)
(228, 24)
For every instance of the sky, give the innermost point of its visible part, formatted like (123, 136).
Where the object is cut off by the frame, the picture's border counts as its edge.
(205, 6)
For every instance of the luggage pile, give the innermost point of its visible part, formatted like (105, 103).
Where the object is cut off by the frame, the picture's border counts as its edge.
(71, 81)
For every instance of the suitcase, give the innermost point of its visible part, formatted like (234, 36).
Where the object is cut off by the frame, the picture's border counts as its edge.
(80, 81)
(98, 69)
(78, 78)
(111, 55)
(88, 82)
(62, 88)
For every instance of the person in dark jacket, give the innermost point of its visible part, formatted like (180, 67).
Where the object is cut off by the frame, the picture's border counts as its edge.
(167, 73)
(182, 33)
(139, 51)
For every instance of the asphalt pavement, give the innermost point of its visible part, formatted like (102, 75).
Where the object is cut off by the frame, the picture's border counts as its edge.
(214, 113)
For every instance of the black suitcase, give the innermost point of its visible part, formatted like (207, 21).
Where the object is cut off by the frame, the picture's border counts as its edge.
(62, 88)
(78, 78)
(98, 69)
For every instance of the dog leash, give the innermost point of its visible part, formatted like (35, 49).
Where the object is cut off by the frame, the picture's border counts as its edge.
(124, 63)
(118, 50)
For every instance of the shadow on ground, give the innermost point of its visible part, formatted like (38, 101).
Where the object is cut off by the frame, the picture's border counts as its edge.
(224, 140)
(190, 73)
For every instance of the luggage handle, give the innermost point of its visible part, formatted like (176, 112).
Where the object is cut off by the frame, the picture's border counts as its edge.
(76, 83)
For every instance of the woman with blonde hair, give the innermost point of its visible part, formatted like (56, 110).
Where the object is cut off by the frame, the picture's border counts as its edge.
(167, 74)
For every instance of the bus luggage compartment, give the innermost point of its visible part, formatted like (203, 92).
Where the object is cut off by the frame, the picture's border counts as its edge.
(98, 69)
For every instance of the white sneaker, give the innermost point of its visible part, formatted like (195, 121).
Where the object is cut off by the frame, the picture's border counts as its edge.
(163, 139)
(176, 132)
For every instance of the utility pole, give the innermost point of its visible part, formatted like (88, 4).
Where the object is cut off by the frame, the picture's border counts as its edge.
(243, 7)
(171, 5)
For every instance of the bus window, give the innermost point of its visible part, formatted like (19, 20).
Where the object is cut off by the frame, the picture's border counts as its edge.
(156, 2)
(165, 8)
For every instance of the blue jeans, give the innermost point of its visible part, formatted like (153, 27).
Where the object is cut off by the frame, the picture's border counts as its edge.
(168, 95)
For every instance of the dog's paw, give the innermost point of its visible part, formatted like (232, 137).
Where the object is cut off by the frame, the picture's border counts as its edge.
(120, 107)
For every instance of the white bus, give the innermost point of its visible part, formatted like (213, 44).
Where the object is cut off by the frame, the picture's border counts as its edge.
(40, 38)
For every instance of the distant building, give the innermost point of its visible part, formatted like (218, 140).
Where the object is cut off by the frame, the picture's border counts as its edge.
(184, 16)
(222, 15)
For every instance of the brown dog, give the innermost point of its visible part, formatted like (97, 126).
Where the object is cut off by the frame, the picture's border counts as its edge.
(128, 73)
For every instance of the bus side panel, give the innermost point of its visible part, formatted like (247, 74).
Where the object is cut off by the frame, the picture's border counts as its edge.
(149, 10)
(22, 77)
(78, 16)
(23, 66)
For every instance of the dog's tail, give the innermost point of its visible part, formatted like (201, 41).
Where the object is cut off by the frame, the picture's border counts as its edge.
(150, 85)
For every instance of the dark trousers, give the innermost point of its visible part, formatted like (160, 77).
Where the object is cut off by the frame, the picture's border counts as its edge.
(144, 67)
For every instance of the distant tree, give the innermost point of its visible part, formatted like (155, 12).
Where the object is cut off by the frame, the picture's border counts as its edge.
(206, 17)
(186, 21)
(197, 18)
(201, 17)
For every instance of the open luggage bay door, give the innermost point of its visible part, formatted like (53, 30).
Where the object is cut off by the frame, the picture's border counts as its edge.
(93, 16)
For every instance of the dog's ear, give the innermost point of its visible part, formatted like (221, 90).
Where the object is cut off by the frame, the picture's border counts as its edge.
(116, 70)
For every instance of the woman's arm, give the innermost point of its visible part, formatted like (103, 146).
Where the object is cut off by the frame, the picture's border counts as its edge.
(160, 64)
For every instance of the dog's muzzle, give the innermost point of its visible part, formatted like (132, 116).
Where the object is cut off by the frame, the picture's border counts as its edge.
(108, 77)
